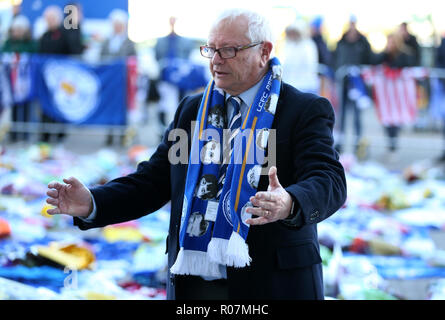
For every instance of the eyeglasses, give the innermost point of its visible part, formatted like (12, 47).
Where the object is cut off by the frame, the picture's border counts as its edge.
(225, 52)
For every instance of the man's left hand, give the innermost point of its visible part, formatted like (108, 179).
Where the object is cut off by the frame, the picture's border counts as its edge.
(271, 205)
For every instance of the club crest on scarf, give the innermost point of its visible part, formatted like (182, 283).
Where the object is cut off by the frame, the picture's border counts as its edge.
(226, 208)
(213, 232)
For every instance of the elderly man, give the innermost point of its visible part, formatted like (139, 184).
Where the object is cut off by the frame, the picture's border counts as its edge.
(57, 39)
(118, 44)
(257, 243)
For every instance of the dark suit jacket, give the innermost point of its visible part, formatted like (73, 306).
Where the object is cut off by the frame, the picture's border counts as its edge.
(286, 262)
(61, 41)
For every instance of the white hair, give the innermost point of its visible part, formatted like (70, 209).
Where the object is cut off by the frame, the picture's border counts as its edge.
(119, 15)
(258, 26)
(20, 22)
(55, 11)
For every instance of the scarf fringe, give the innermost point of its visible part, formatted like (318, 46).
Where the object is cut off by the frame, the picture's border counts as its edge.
(217, 250)
(233, 252)
(229, 248)
(196, 263)
(237, 251)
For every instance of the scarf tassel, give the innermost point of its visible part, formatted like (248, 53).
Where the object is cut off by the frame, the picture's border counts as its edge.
(196, 263)
(233, 252)
(238, 251)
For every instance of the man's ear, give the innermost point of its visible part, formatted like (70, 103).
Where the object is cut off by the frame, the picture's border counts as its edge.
(266, 49)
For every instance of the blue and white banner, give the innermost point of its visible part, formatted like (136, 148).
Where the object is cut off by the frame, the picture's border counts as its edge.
(75, 92)
(185, 74)
(357, 89)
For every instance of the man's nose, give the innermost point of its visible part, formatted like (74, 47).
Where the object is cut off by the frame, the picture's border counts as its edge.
(217, 58)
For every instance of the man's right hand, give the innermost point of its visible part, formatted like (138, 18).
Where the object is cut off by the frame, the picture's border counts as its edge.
(71, 198)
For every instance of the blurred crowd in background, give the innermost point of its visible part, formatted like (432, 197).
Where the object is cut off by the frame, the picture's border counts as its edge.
(169, 67)
(63, 71)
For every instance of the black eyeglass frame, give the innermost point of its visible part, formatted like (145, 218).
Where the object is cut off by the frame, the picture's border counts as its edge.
(236, 49)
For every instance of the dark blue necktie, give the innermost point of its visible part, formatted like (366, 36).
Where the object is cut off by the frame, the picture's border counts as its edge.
(234, 127)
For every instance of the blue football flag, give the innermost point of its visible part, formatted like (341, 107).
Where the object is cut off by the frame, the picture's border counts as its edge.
(72, 91)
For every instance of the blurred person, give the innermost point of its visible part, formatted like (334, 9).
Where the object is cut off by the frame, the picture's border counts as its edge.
(440, 54)
(173, 45)
(324, 54)
(52, 42)
(7, 20)
(325, 68)
(19, 41)
(396, 53)
(440, 63)
(19, 37)
(72, 28)
(395, 56)
(168, 48)
(300, 58)
(275, 225)
(423, 85)
(58, 40)
(118, 45)
(411, 43)
(149, 75)
(353, 49)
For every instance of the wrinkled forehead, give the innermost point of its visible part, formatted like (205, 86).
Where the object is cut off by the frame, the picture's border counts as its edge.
(229, 31)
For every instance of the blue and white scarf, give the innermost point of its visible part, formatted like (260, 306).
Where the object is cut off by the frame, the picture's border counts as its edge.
(214, 233)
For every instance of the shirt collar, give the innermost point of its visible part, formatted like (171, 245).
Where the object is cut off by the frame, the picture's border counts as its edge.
(249, 95)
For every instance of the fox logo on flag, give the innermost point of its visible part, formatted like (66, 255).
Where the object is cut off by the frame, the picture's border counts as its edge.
(75, 90)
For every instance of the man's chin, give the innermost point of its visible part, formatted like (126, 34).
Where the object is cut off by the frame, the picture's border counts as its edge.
(219, 82)
(222, 84)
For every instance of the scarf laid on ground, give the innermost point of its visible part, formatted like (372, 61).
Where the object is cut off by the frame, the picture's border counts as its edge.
(213, 232)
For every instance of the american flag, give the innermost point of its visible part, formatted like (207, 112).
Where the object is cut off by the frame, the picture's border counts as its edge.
(394, 93)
